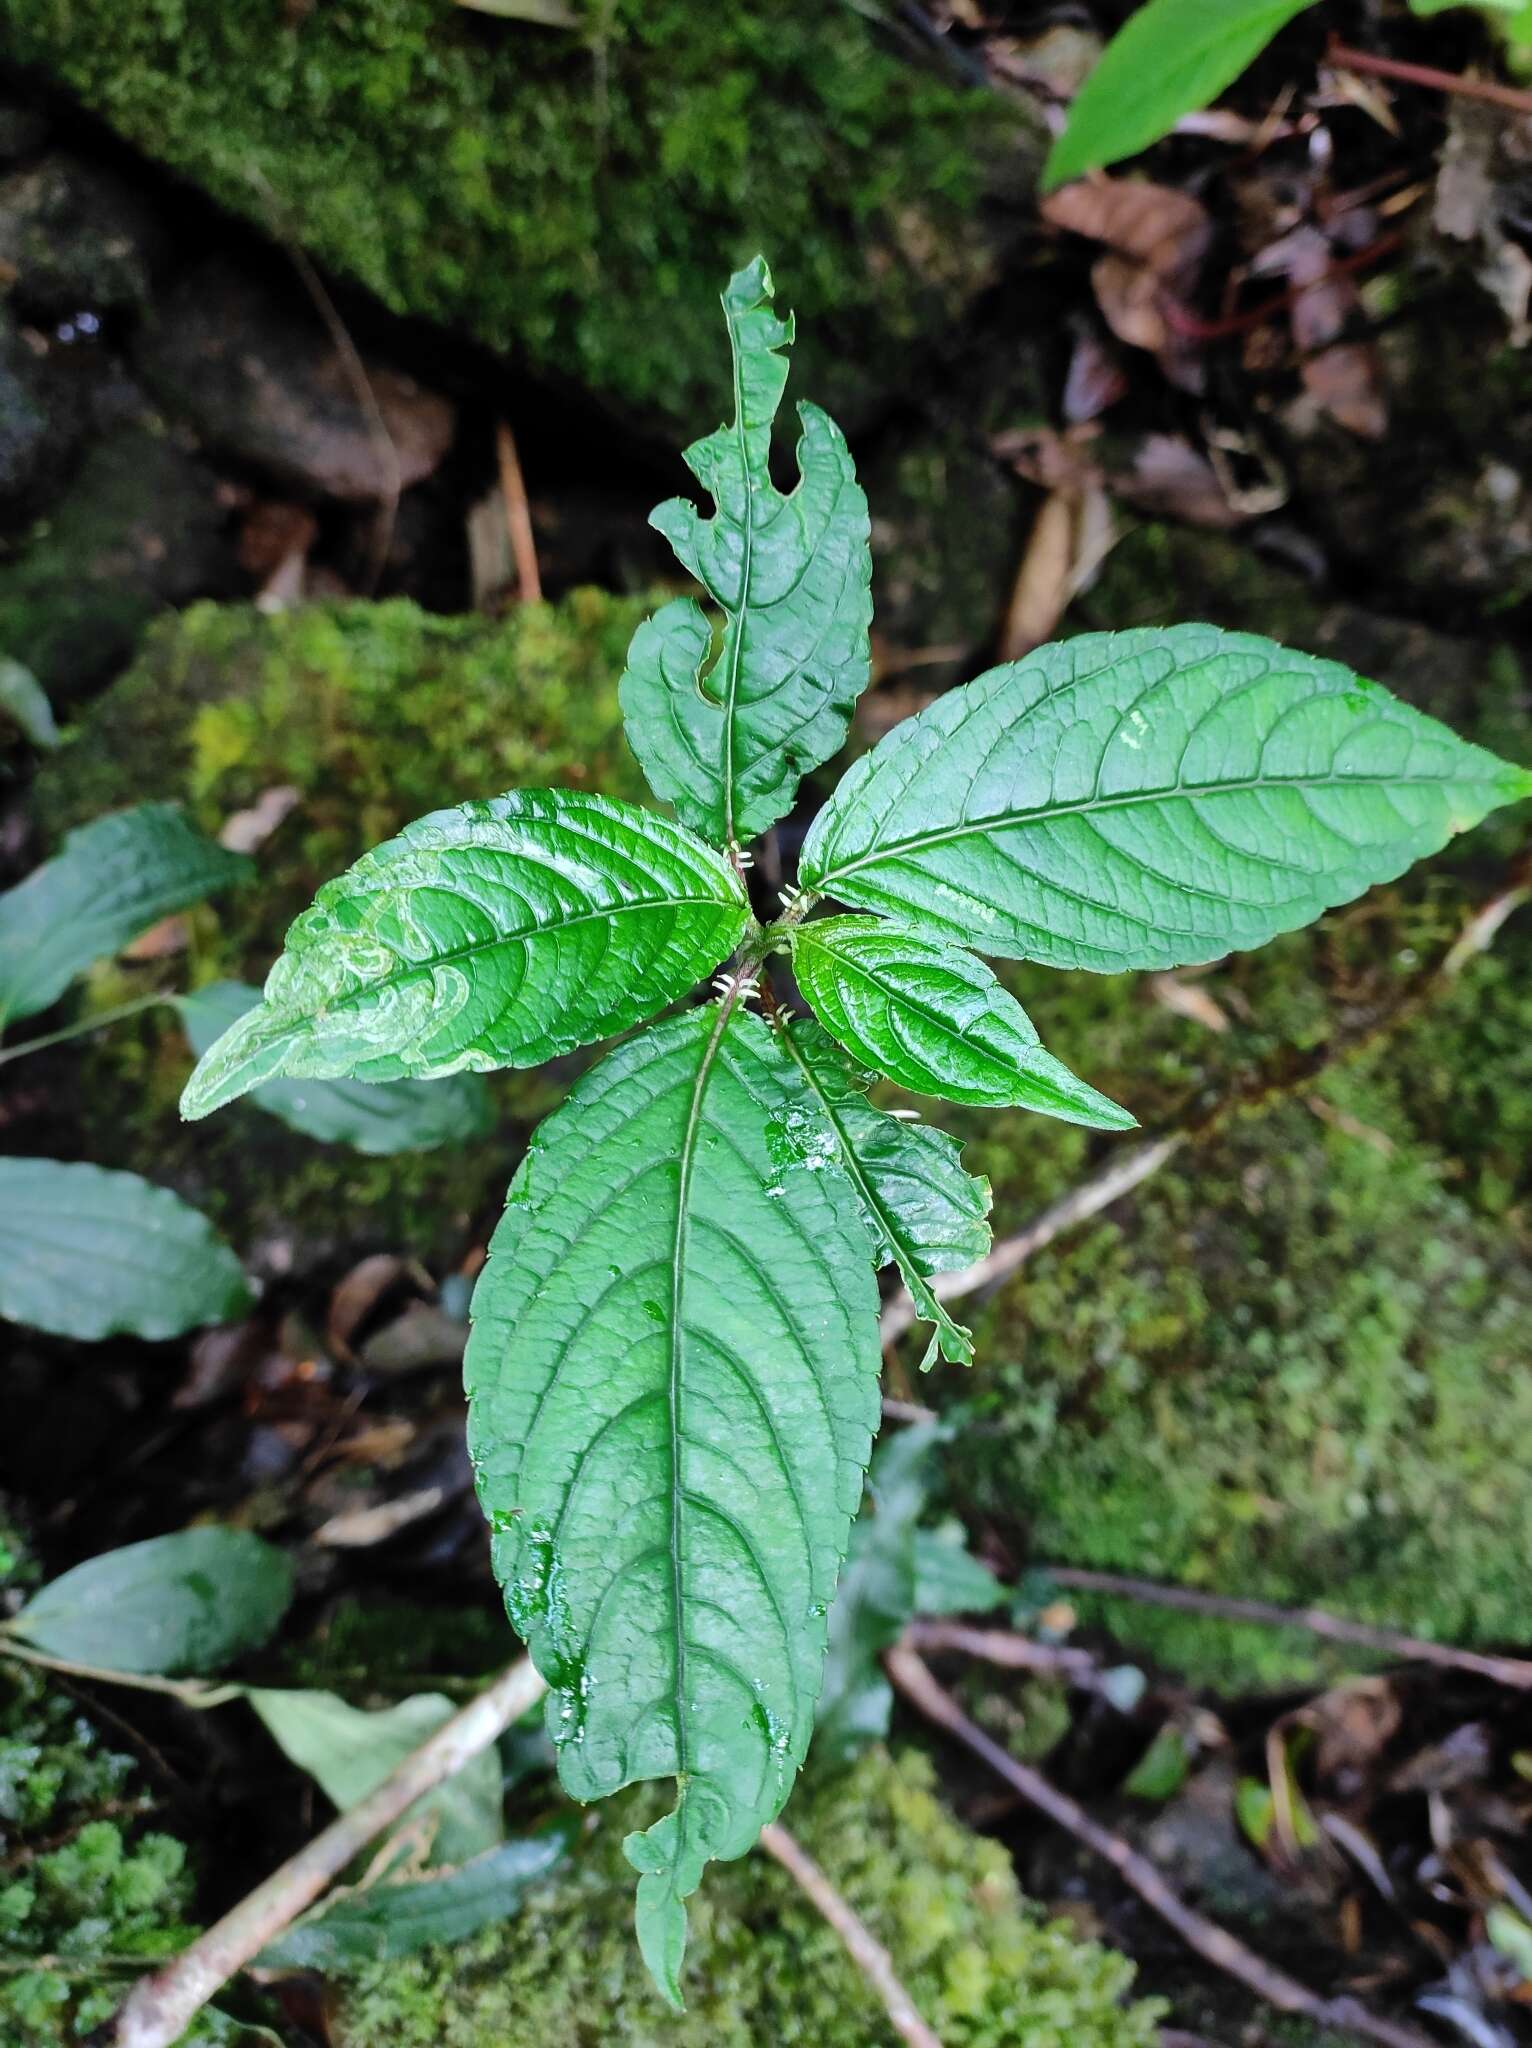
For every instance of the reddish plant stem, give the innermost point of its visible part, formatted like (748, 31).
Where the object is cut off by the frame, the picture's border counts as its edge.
(1193, 327)
(1344, 58)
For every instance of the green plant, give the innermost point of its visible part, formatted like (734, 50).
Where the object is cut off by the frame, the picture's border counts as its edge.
(673, 1372)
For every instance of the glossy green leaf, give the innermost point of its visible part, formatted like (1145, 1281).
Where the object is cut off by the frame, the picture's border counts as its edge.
(375, 1117)
(1171, 57)
(499, 934)
(25, 702)
(349, 1752)
(89, 1253)
(1147, 799)
(673, 1383)
(397, 1917)
(191, 1602)
(109, 881)
(934, 1019)
(726, 736)
(925, 1213)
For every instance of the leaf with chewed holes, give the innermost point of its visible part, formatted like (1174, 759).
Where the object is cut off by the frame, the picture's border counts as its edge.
(726, 735)
(673, 1384)
(1147, 799)
(499, 934)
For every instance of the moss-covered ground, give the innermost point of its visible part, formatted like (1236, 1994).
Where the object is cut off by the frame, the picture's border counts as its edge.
(579, 195)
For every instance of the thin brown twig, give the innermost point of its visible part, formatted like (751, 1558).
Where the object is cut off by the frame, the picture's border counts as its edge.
(1213, 1943)
(1192, 327)
(860, 1943)
(387, 515)
(1002, 1646)
(1119, 1177)
(160, 2007)
(1335, 1628)
(518, 516)
(1344, 58)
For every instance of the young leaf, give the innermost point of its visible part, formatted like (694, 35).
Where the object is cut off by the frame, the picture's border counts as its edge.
(726, 739)
(1171, 57)
(673, 1383)
(25, 702)
(349, 1752)
(375, 1117)
(396, 1917)
(949, 1579)
(185, 1603)
(933, 1018)
(877, 1594)
(925, 1213)
(109, 881)
(88, 1253)
(1147, 799)
(498, 934)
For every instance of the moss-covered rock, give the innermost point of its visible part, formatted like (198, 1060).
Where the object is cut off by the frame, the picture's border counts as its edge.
(981, 1964)
(373, 714)
(579, 195)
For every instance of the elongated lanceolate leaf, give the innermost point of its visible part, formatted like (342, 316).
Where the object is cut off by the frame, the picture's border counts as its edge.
(933, 1018)
(190, 1602)
(726, 737)
(925, 1213)
(87, 1253)
(349, 1751)
(1147, 799)
(1172, 57)
(397, 1917)
(375, 1117)
(673, 1383)
(24, 701)
(498, 934)
(109, 881)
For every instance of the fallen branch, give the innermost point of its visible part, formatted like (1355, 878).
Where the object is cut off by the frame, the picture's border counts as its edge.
(1214, 1944)
(1511, 1671)
(1344, 58)
(861, 1944)
(1274, 1082)
(160, 2007)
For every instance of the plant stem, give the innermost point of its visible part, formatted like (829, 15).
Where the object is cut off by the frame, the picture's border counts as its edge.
(1344, 58)
(84, 1025)
(160, 2007)
(860, 1943)
(191, 1692)
(1510, 1671)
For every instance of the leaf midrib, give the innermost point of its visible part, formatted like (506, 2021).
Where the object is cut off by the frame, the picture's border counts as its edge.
(1088, 806)
(737, 648)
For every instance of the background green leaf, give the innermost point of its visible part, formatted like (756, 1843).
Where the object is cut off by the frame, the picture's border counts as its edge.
(673, 1383)
(88, 1253)
(190, 1602)
(109, 881)
(935, 1020)
(924, 1212)
(726, 738)
(1147, 799)
(397, 1917)
(498, 934)
(25, 702)
(376, 1117)
(348, 1752)
(1169, 58)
